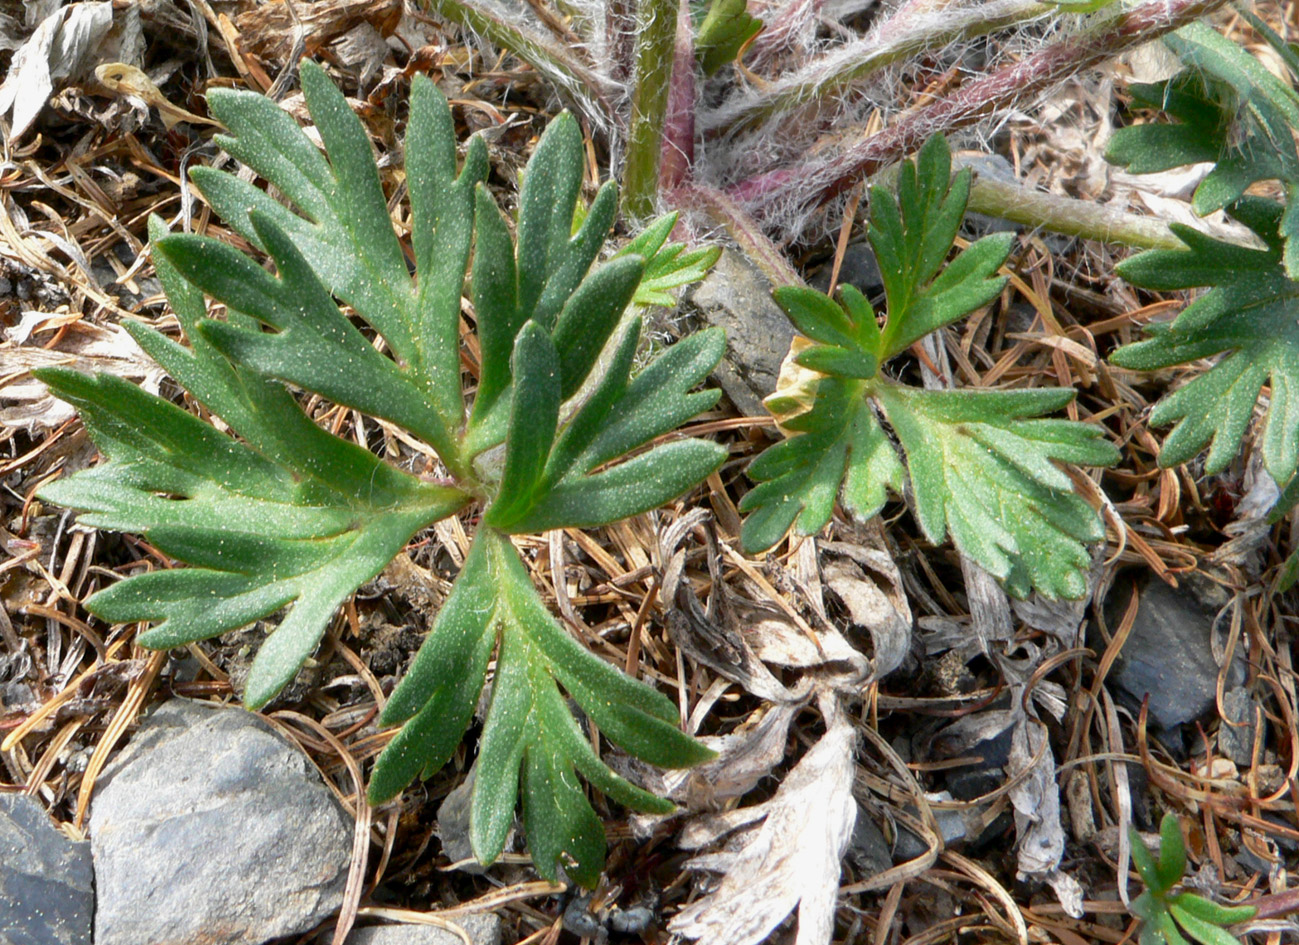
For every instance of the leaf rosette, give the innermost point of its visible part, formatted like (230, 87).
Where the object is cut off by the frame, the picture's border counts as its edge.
(277, 514)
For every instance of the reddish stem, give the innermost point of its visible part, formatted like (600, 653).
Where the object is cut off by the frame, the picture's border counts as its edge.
(677, 157)
(813, 184)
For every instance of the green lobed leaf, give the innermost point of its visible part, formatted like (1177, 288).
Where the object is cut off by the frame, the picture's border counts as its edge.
(262, 535)
(982, 468)
(668, 265)
(1228, 109)
(548, 279)
(983, 471)
(531, 744)
(314, 345)
(534, 417)
(912, 233)
(1246, 317)
(561, 487)
(344, 230)
(286, 515)
(837, 442)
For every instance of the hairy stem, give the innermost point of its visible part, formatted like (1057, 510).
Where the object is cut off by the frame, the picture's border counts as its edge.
(809, 184)
(755, 244)
(588, 91)
(905, 35)
(656, 30)
(677, 153)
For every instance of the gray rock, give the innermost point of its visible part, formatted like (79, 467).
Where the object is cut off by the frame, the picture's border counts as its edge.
(46, 882)
(737, 296)
(951, 825)
(1169, 653)
(481, 929)
(453, 825)
(1237, 741)
(868, 851)
(210, 829)
(859, 269)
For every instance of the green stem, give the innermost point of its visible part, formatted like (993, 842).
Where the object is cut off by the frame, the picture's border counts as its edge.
(1080, 218)
(656, 28)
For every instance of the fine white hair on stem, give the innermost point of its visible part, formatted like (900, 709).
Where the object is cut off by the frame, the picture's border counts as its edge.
(818, 108)
(840, 148)
(909, 31)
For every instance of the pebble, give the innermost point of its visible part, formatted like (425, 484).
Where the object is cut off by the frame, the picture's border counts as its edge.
(211, 829)
(1169, 653)
(737, 296)
(1237, 741)
(481, 929)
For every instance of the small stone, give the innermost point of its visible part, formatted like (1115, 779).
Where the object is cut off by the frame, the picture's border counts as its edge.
(951, 825)
(46, 881)
(1169, 654)
(1236, 741)
(453, 826)
(211, 829)
(859, 269)
(737, 296)
(868, 851)
(481, 929)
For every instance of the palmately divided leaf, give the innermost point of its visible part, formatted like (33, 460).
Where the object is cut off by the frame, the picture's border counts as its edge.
(314, 345)
(1230, 110)
(531, 742)
(669, 265)
(569, 488)
(548, 280)
(982, 470)
(264, 535)
(1248, 315)
(345, 233)
(912, 233)
(838, 441)
(279, 513)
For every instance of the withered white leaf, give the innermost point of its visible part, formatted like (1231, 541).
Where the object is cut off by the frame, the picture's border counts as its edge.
(793, 859)
(62, 46)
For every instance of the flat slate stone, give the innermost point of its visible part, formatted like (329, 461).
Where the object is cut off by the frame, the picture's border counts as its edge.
(211, 829)
(47, 892)
(1169, 653)
(735, 295)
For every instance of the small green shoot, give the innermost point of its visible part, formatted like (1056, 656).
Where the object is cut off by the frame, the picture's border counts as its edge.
(1168, 917)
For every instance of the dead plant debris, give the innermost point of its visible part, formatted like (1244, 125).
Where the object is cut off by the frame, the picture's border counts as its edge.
(886, 720)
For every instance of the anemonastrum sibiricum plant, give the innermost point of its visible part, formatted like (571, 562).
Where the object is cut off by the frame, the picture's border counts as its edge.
(279, 514)
(980, 465)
